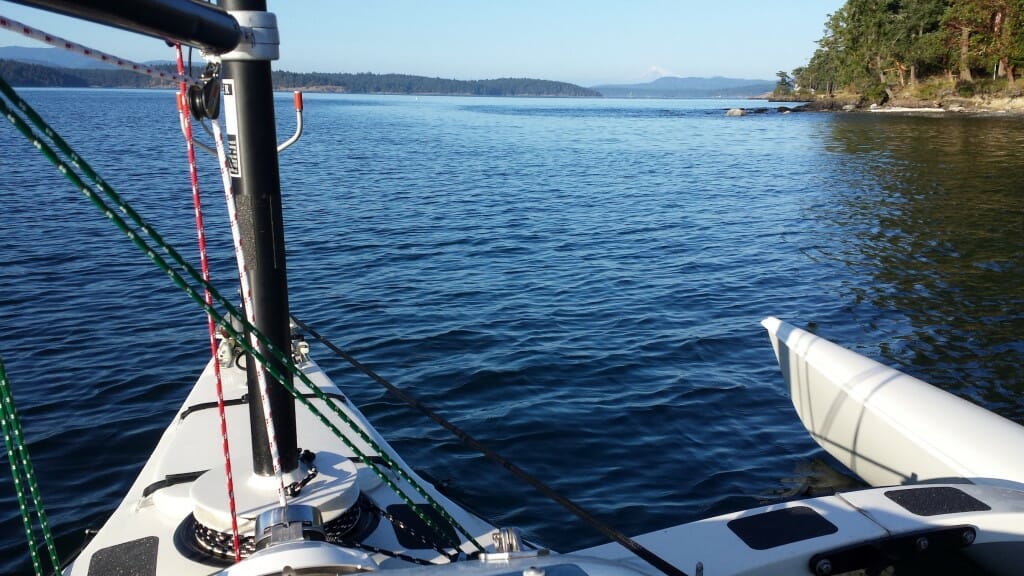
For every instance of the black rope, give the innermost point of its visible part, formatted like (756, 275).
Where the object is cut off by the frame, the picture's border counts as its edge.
(399, 525)
(630, 544)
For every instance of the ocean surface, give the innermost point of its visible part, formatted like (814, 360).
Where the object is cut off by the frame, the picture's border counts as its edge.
(576, 283)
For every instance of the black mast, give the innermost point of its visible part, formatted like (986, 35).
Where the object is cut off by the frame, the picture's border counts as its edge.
(252, 151)
(246, 38)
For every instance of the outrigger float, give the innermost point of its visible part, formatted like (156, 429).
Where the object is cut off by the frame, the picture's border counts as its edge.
(345, 502)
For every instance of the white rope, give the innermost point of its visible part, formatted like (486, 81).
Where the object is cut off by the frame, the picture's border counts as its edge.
(57, 41)
(186, 129)
(250, 310)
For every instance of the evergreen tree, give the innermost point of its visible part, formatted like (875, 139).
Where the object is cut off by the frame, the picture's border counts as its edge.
(964, 19)
(922, 47)
(784, 86)
(875, 47)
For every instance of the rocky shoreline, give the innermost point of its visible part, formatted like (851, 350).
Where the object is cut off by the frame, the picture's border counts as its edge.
(973, 105)
(1002, 105)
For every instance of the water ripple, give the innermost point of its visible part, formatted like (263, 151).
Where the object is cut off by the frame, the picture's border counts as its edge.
(576, 283)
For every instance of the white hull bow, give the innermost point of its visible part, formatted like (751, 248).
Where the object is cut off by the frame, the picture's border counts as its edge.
(888, 427)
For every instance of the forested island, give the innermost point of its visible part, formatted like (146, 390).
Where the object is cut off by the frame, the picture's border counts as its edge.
(907, 52)
(25, 74)
(369, 83)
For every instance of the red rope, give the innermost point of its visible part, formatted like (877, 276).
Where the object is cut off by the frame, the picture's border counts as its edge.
(186, 126)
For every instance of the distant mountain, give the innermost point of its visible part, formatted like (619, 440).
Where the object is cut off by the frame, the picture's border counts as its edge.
(57, 58)
(53, 57)
(689, 87)
(25, 74)
(35, 75)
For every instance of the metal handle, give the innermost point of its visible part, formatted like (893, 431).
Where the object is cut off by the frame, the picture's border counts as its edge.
(297, 99)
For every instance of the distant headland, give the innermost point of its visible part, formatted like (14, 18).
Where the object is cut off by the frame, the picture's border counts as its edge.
(39, 75)
(51, 67)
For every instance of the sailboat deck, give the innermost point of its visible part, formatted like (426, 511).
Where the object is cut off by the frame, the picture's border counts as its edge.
(188, 465)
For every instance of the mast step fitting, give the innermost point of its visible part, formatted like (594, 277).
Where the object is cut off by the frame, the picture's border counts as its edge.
(294, 523)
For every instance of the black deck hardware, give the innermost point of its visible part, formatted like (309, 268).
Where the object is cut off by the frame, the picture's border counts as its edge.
(244, 399)
(936, 501)
(172, 480)
(133, 558)
(780, 527)
(875, 556)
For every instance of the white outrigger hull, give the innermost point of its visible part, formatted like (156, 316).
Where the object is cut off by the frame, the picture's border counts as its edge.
(888, 427)
(943, 464)
(861, 530)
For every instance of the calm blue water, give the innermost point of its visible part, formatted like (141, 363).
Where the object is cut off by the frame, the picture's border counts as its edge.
(577, 283)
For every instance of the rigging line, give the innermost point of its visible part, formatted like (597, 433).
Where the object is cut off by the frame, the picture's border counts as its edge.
(106, 189)
(178, 280)
(122, 225)
(262, 368)
(6, 424)
(369, 461)
(17, 453)
(124, 64)
(626, 541)
(204, 266)
(250, 310)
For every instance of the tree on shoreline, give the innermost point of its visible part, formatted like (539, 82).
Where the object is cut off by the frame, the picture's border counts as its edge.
(1007, 41)
(878, 47)
(923, 49)
(784, 87)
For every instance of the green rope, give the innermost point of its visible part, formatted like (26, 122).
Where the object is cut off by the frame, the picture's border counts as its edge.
(226, 325)
(22, 473)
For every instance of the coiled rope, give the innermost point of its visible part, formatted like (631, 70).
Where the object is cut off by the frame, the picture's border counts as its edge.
(24, 478)
(136, 235)
(204, 264)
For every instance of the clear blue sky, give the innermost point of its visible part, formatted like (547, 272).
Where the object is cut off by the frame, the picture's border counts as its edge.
(582, 41)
